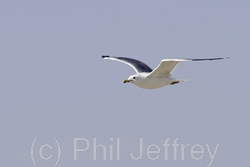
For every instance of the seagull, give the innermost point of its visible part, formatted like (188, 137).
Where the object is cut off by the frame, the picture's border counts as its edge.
(148, 78)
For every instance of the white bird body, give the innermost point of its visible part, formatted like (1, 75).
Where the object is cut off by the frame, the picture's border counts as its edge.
(145, 81)
(147, 78)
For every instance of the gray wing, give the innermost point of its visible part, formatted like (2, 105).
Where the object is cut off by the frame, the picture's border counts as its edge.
(137, 65)
(167, 66)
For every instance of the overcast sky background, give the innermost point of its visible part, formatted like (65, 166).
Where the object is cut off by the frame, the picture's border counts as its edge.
(54, 83)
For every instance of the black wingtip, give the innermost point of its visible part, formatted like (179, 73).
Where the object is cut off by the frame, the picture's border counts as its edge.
(105, 56)
(220, 58)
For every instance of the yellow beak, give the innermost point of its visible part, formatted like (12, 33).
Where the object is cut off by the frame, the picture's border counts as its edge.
(126, 80)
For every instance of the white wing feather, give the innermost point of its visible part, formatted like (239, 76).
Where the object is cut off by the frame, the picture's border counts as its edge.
(166, 67)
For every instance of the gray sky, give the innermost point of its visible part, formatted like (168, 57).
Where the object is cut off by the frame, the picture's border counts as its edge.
(54, 83)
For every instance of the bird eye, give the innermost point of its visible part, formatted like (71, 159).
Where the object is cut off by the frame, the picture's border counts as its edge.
(133, 77)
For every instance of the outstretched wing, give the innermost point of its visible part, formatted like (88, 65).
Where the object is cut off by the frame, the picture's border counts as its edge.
(167, 66)
(137, 65)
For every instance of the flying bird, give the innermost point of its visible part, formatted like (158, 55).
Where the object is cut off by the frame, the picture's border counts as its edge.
(148, 78)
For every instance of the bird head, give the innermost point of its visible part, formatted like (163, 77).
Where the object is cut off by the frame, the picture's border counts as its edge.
(132, 79)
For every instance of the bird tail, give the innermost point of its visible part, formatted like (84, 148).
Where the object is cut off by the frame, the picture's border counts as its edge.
(183, 80)
(175, 81)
